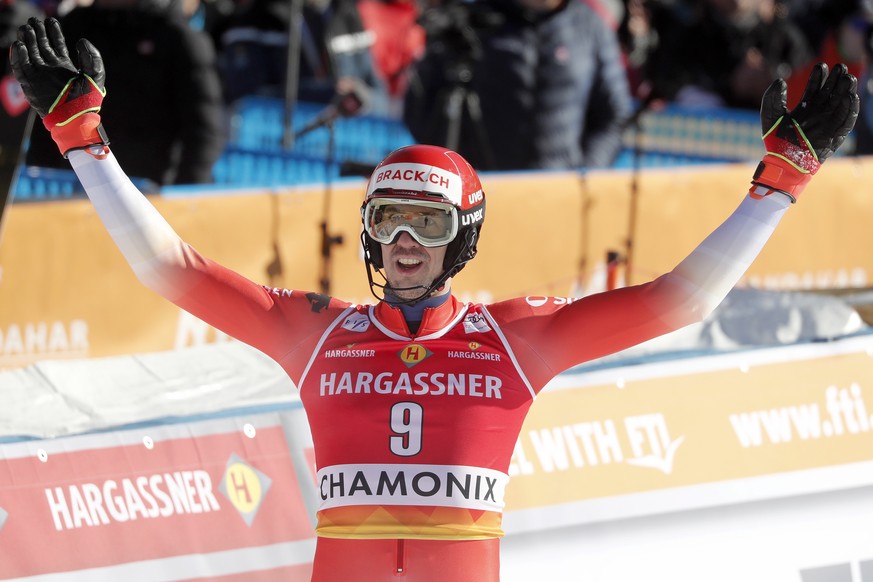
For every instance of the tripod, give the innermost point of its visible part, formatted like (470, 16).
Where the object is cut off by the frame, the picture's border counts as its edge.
(459, 101)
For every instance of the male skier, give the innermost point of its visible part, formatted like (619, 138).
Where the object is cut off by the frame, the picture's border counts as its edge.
(415, 402)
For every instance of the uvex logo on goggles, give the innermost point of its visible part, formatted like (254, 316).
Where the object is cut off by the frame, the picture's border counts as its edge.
(432, 224)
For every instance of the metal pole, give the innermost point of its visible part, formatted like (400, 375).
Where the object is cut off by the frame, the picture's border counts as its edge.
(328, 240)
(629, 257)
(292, 70)
(12, 151)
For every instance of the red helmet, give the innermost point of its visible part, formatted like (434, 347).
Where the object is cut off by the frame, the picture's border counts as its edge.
(433, 178)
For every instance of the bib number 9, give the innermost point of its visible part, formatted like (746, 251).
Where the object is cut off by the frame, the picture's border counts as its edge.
(406, 419)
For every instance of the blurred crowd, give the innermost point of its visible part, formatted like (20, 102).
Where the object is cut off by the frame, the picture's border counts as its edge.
(511, 84)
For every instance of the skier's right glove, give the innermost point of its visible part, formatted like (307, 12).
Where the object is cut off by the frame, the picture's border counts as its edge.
(68, 99)
(798, 142)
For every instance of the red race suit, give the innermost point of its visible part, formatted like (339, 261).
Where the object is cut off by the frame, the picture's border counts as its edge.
(413, 433)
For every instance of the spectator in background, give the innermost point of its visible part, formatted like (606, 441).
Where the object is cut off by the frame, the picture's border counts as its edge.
(647, 26)
(167, 114)
(818, 18)
(334, 52)
(548, 75)
(843, 41)
(398, 42)
(727, 52)
(862, 25)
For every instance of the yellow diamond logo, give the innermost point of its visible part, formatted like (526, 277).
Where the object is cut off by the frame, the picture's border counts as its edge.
(414, 354)
(244, 486)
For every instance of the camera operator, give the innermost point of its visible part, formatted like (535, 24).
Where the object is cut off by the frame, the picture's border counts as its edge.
(520, 84)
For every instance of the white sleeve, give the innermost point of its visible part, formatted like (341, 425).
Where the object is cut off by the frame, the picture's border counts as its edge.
(712, 269)
(147, 241)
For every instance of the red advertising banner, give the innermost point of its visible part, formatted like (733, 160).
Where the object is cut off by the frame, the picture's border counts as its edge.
(154, 496)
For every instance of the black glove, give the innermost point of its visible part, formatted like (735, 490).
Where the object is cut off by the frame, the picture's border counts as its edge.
(798, 142)
(68, 99)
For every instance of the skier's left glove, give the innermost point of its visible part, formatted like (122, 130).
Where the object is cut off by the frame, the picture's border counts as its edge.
(798, 142)
(67, 98)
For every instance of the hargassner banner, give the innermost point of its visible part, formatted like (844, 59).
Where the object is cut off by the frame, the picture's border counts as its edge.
(678, 438)
(199, 500)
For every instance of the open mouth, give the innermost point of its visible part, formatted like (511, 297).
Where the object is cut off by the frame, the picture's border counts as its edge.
(408, 264)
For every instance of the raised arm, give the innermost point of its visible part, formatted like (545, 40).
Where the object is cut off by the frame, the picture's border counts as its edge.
(796, 144)
(69, 101)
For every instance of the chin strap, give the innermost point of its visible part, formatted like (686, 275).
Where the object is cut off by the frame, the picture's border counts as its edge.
(437, 285)
(387, 289)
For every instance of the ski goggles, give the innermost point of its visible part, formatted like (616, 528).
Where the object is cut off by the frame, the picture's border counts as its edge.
(431, 224)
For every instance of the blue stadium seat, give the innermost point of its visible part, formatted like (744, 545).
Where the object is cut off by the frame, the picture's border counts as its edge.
(676, 135)
(239, 166)
(259, 123)
(254, 157)
(46, 184)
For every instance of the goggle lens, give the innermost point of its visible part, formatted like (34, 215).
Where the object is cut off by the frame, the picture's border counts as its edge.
(432, 224)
